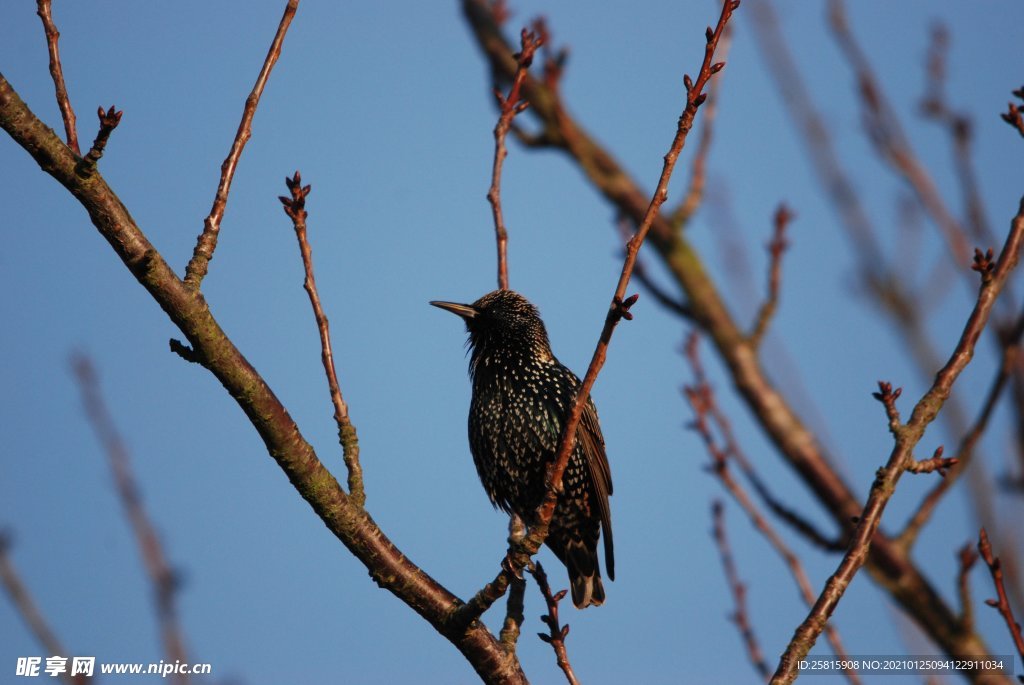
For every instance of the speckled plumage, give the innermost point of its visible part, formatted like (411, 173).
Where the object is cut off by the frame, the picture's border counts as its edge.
(521, 396)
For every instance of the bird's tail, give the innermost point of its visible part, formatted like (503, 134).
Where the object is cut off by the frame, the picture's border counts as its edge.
(581, 562)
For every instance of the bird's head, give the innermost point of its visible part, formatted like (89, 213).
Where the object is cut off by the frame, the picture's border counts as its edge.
(502, 322)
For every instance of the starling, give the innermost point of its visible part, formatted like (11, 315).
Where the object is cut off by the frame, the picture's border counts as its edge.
(521, 397)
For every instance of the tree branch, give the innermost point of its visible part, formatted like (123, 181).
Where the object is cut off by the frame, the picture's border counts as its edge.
(295, 208)
(968, 557)
(509, 107)
(556, 633)
(694, 196)
(44, 10)
(1002, 605)
(885, 133)
(207, 240)
(739, 592)
(906, 438)
(27, 608)
(162, 576)
(776, 248)
(933, 106)
(706, 411)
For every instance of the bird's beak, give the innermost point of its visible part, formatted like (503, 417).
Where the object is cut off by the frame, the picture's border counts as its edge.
(466, 311)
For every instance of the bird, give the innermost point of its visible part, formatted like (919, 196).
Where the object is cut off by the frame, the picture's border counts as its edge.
(522, 396)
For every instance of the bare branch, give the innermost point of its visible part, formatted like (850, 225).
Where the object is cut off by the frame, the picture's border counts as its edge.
(936, 463)
(27, 608)
(510, 106)
(207, 240)
(968, 557)
(162, 576)
(933, 106)
(556, 633)
(640, 273)
(739, 592)
(1002, 605)
(694, 196)
(776, 247)
(702, 400)
(887, 135)
(906, 438)
(57, 72)
(295, 208)
(706, 411)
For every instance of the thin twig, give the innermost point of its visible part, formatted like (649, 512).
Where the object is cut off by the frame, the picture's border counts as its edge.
(509, 106)
(556, 633)
(162, 576)
(706, 411)
(815, 134)
(295, 208)
(694, 196)
(1003, 603)
(739, 592)
(968, 557)
(702, 399)
(640, 273)
(207, 241)
(776, 247)
(57, 72)
(887, 135)
(936, 463)
(906, 438)
(933, 106)
(27, 608)
(1013, 114)
(109, 119)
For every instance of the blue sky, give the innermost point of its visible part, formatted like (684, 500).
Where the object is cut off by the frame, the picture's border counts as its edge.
(386, 110)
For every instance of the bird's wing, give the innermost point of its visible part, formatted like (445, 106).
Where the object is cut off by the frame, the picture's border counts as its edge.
(589, 436)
